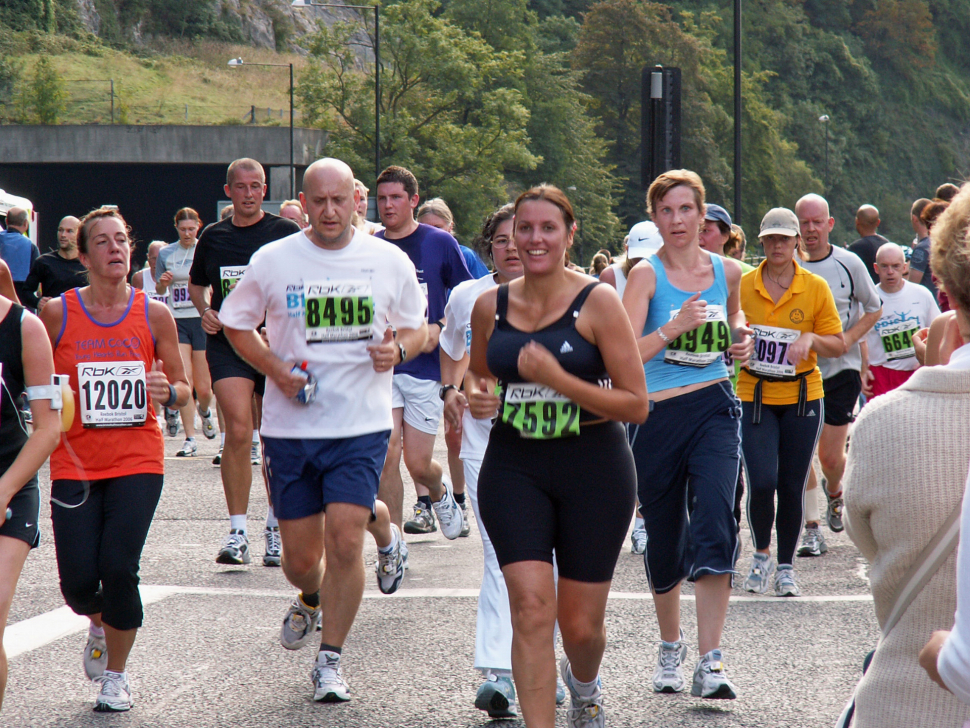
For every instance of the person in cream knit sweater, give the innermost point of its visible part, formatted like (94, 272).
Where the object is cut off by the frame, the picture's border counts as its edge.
(907, 470)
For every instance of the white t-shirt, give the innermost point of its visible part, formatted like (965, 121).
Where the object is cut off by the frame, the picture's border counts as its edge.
(455, 342)
(340, 300)
(177, 260)
(904, 313)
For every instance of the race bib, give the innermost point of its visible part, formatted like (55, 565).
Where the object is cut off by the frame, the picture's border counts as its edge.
(897, 340)
(702, 346)
(160, 297)
(229, 276)
(339, 311)
(468, 338)
(771, 349)
(113, 394)
(180, 295)
(538, 412)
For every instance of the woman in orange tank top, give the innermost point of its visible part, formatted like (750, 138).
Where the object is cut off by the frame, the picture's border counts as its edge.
(107, 472)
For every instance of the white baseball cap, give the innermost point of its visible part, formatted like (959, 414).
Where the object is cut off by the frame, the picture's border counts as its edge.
(644, 240)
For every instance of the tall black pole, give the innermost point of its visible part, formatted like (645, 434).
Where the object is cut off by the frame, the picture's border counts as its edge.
(377, 91)
(737, 111)
(292, 168)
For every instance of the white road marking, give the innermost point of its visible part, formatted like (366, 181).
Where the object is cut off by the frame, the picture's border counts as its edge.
(36, 632)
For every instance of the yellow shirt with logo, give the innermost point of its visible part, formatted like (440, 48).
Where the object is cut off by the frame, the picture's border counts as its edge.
(807, 306)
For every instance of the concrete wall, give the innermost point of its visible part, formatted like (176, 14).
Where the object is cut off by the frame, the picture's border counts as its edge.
(158, 144)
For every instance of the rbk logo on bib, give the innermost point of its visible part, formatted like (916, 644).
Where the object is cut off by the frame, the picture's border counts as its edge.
(113, 394)
(897, 340)
(539, 412)
(771, 346)
(702, 346)
(339, 311)
(229, 276)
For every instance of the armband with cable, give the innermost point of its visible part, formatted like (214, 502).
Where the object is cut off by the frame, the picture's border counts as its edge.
(51, 391)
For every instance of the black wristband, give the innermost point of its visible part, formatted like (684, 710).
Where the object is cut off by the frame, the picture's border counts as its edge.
(172, 397)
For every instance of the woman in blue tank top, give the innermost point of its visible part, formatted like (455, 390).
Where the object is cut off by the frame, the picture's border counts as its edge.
(563, 355)
(685, 304)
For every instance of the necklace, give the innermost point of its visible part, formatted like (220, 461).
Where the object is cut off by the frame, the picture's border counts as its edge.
(778, 283)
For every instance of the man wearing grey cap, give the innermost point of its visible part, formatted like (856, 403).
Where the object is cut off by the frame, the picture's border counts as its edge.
(859, 307)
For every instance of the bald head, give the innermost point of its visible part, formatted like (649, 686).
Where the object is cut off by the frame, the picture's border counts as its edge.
(814, 223)
(891, 267)
(890, 253)
(329, 198)
(815, 202)
(867, 220)
(67, 233)
(155, 246)
(17, 219)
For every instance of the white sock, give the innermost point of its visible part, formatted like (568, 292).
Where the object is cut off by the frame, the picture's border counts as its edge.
(638, 522)
(811, 506)
(584, 690)
(123, 675)
(391, 546)
(271, 521)
(238, 523)
(255, 437)
(222, 439)
(96, 631)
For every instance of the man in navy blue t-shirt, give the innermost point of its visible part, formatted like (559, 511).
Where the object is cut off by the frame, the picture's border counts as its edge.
(417, 383)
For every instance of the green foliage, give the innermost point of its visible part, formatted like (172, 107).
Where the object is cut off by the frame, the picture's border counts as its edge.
(49, 16)
(43, 97)
(10, 73)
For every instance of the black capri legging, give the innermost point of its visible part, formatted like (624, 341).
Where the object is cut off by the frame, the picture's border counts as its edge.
(574, 496)
(777, 459)
(99, 544)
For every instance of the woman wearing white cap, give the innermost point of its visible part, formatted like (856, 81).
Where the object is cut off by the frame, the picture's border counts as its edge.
(795, 321)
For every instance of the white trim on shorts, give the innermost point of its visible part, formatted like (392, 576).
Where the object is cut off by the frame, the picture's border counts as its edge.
(419, 398)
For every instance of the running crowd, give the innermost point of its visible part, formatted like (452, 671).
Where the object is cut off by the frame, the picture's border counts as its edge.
(331, 348)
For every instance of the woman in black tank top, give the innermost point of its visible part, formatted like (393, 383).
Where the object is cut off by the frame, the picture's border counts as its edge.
(26, 361)
(560, 356)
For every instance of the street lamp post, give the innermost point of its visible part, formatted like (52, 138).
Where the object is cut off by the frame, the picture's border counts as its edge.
(377, 67)
(824, 119)
(235, 63)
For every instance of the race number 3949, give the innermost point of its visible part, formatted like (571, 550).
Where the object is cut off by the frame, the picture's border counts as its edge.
(113, 394)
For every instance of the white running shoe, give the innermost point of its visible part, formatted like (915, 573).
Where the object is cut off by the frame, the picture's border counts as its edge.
(217, 460)
(255, 455)
(115, 695)
(299, 624)
(208, 426)
(813, 542)
(329, 685)
(274, 547)
(449, 512)
(785, 584)
(584, 712)
(404, 554)
(390, 566)
(668, 676)
(235, 549)
(95, 657)
(710, 680)
(759, 575)
(638, 541)
(189, 449)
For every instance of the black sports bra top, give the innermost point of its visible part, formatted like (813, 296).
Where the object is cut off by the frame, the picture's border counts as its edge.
(574, 353)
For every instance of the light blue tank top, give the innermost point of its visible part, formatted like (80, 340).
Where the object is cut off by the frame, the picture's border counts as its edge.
(684, 361)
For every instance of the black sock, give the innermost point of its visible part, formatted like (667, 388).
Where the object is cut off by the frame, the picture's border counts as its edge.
(425, 500)
(311, 600)
(330, 648)
(460, 498)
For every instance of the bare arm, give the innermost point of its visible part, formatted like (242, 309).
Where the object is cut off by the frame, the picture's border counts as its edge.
(200, 299)
(137, 280)
(915, 276)
(608, 276)
(858, 332)
(479, 381)
(452, 372)
(7, 289)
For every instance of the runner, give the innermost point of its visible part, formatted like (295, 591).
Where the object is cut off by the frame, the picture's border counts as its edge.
(685, 303)
(107, 472)
(144, 279)
(293, 210)
(26, 365)
(417, 405)
(59, 270)
(171, 273)
(555, 340)
(221, 257)
(715, 232)
(919, 263)
(867, 225)
(17, 250)
(859, 308)
(795, 320)
(328, 295)
(906, 308)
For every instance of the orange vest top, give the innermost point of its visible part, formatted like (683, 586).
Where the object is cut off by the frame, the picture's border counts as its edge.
(112, 451)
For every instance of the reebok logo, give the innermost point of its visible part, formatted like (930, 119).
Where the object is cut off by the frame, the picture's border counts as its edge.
(565, 348)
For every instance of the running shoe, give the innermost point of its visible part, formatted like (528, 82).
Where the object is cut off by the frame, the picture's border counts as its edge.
(560, 691)
(668, 676)
(390, 566)
(299, 624)
(638, 540)
(813, 542)
(710, 680)
(785, 584)
(115, 694)
(759, 575)
(833, 513)
(274, 547)
(217, 460)
(235, 549)
(172, 420)
(584, 712)
(467, 524)
(496, 696)
(422, 521)
(404, 554)
(208, 426)
(448, 512)
(329, 685)
(189, 449)
(95, 656)
(255, 455)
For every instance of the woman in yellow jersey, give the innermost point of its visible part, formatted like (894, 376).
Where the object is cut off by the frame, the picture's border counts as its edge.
(795, 321)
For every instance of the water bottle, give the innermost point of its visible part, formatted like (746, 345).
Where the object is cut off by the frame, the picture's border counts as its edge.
(309, 391)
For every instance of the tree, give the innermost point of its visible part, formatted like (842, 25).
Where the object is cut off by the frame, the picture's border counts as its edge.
(451, 109)
(44, 97)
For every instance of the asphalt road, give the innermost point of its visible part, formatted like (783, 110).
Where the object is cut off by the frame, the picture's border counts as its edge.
(209, 655)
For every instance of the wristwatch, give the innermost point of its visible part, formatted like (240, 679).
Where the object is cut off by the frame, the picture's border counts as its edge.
(444, 391)
(402, 351)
